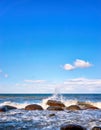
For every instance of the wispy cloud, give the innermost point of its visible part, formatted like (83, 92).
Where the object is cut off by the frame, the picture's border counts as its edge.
(75, 85)
(84, 81)
(17, 84)
(35, 81)
(78, 63)
(83, 85)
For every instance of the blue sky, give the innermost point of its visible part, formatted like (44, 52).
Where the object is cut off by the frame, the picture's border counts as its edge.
(50, 44)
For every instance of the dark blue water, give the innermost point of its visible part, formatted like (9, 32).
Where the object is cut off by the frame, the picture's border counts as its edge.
(40, 97)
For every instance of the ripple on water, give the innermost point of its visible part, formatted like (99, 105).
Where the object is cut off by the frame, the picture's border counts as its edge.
(40, 120)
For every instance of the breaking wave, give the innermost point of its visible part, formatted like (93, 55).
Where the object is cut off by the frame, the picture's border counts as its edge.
(43, 103)
(41, 120)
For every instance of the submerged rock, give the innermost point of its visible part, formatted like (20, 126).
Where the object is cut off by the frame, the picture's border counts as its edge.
(55, 108)
(1, 110)
(96, 128)
(55, 103)
(73, 107)
(33, 107)
(85, 105)
(51, 115)
(6, 108)
(72, 127)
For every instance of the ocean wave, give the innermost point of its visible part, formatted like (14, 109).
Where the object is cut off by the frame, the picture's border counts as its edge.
(15, 104)
(43, 103)
(68, 102)
(41, 120)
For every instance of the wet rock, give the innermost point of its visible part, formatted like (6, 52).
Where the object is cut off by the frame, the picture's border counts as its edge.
(72, 127)
(55, 103)
(1, 110)
(85, 105)
(50, 115)
(91, 107)
(96, 128)
(6, 108)
(55, 108)
(73, 108)
(33, 107)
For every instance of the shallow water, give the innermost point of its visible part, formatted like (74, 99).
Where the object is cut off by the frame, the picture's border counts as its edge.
(20, 119)
(41, 120)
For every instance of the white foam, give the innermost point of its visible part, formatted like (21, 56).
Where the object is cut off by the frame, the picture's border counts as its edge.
(44, 102)
(18, 105)
(97, 104)
(70, 102)
(54, 97)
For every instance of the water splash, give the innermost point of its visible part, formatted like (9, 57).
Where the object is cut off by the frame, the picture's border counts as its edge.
(18, 105)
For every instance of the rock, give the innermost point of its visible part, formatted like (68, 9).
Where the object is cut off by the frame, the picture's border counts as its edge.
(1, 110)
(6, 108)
(73, 108)
(72, 127)
(96, 128)
(33, 107)
(55, 108)
(50, 115)
(85, 105)
(55, 103)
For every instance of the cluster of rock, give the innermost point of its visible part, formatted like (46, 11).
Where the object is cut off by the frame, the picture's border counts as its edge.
(53, 105)
(58, 105)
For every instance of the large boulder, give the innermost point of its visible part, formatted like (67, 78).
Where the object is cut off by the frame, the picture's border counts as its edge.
(55, 108)
(96, 128)
(72, 127)
(73, 108)
(85, 105)
(33, 107)
(55, 103)
(6, 108)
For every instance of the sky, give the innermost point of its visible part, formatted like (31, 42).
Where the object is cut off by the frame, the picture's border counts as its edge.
(48, 46)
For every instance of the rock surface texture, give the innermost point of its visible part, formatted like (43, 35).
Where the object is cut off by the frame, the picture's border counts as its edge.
(33, 107)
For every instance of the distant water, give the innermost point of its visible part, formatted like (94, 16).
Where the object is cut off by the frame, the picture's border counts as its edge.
(39, 120)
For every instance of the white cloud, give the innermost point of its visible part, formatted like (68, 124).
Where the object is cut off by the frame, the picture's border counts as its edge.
(84, 81)
(35, 81)
(78, 63)
(83, 85)
(68, 67)
(75, 85)
(81, 64)
(17, 84)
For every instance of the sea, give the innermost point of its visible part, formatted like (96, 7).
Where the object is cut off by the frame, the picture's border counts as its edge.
(20, 119)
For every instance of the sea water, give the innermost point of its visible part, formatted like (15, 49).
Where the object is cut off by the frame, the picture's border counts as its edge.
(20, 119)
